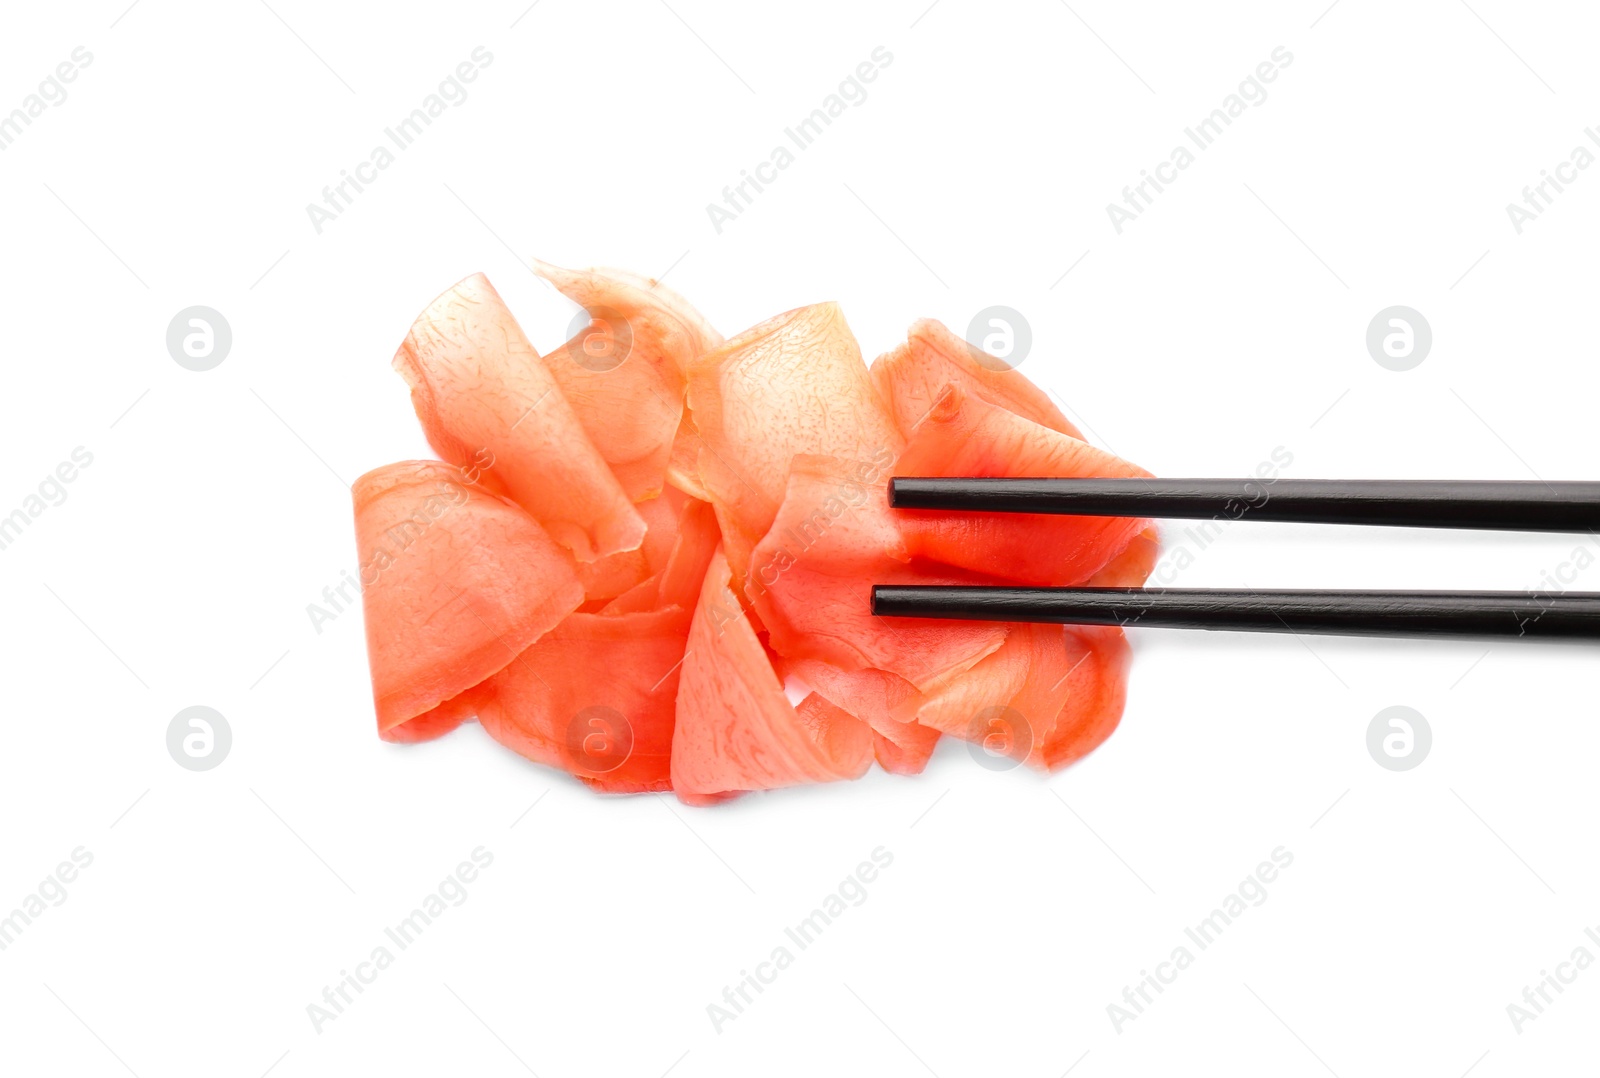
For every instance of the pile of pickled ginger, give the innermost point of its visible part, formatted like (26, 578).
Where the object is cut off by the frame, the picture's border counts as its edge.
(646, 558)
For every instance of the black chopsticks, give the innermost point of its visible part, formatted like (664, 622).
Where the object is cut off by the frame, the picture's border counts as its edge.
(1570, 615)
(1502, 506)
(1512, 505)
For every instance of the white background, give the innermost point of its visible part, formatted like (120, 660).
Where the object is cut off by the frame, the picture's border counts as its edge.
(1226, 321)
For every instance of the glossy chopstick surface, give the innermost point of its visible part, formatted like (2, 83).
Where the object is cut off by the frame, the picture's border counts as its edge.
(1500, 614)
(1509, 505)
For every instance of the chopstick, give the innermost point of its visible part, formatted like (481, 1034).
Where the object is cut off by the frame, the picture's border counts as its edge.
(1513, 505)
(1571, 615)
